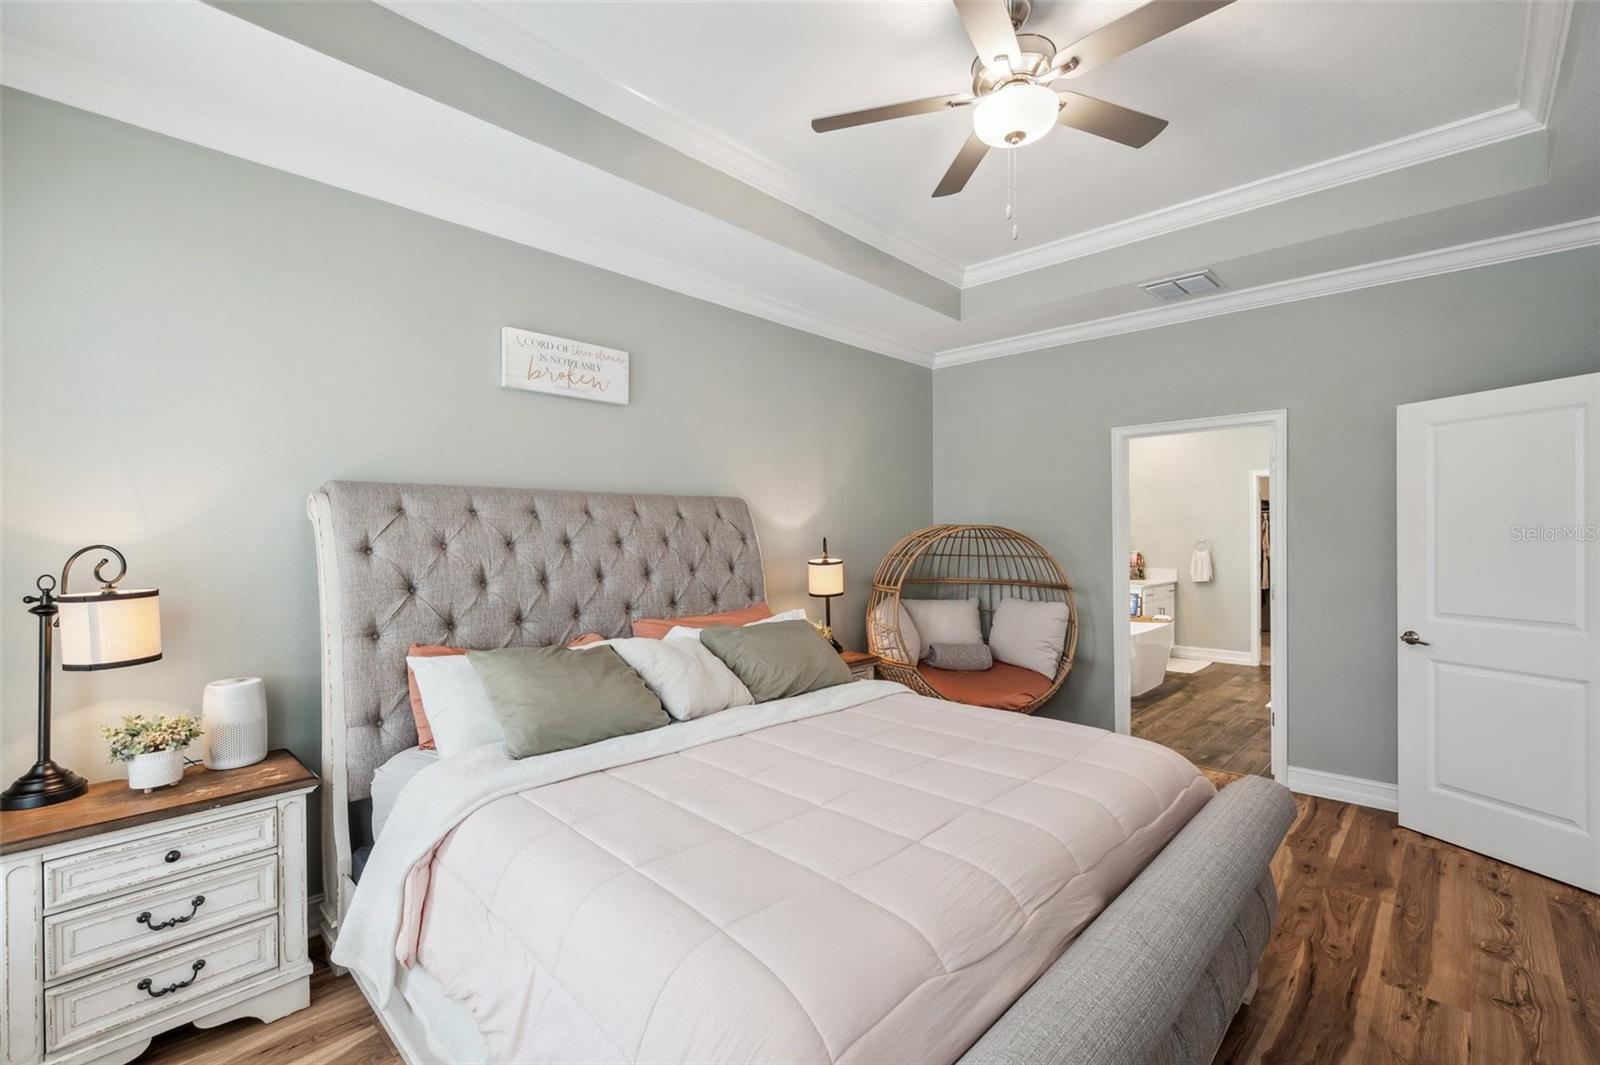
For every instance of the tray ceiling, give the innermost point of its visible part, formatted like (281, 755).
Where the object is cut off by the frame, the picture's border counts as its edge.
(1251, 91)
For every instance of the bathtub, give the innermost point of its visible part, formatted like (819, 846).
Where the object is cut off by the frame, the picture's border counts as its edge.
(1149, 646)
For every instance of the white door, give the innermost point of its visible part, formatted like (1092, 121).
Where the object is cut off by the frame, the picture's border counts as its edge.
(1498, 630)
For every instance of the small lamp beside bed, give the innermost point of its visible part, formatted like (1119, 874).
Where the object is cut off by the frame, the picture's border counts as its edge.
(105, 629)
(825, 580)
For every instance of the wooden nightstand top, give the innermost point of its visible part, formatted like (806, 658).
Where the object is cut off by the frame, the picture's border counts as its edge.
(856, 659)
(111, 804)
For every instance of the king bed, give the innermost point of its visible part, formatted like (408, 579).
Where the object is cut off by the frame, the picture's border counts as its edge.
(855, 873)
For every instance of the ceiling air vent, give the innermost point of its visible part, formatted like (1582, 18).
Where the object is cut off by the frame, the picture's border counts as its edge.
(1177, 288)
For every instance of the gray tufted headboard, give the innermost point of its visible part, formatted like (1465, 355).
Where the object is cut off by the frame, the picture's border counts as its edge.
(400, 564)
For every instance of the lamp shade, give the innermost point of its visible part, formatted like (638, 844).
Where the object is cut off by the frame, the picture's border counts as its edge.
(110, 628)
(825, 576)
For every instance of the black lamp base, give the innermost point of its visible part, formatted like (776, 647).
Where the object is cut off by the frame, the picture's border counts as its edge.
(44, 785)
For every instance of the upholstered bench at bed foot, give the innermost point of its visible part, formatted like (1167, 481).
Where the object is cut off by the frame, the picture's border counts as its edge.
(1159, 975)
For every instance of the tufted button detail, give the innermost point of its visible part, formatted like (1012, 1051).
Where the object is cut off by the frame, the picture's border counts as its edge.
(510, 543)
(411, 589)
(518, 619)
(440, 544)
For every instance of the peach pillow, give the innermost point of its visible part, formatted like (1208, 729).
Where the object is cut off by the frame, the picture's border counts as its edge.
(657, 628)
(429, 650)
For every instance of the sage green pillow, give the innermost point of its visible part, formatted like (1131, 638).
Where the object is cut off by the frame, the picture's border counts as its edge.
(777, 659)
(552, 698)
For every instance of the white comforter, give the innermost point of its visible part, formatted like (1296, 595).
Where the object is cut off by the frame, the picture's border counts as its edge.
(858, 874)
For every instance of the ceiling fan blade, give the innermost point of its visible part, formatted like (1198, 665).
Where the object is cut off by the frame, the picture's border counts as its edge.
(955, 179)
(1111, 121)
(1139, 26)
(988, 23)
(883, 114)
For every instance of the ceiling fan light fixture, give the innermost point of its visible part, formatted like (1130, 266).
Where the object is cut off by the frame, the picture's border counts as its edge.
(1015, 114)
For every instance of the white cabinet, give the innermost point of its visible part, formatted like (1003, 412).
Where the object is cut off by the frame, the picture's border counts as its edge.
(124, 915)
(1153, 598)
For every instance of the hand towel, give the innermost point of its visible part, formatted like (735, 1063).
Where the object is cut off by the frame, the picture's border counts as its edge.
(1200, 565)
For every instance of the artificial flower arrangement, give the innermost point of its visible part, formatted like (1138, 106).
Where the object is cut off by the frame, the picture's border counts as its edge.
(152, 747)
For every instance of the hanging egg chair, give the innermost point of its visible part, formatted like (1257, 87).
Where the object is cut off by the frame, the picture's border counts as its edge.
(986, 562)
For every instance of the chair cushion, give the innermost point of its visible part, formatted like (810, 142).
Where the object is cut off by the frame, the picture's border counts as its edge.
(1000, 687)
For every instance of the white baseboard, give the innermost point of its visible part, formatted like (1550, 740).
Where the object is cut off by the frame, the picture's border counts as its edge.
(1357, 790)
(1213, 654)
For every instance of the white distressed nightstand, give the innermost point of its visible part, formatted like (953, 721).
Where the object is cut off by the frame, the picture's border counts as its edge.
(124, 914)
(863, 666)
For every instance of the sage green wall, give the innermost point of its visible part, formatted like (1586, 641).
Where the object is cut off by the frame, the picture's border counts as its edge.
(192, 343)
(1185, 487)
(1039, 458)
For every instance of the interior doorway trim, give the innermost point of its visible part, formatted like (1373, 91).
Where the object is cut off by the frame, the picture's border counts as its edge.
(1255, 557)
(1278, 495)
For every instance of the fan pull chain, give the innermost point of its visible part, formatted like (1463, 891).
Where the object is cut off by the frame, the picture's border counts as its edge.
(1011, 190)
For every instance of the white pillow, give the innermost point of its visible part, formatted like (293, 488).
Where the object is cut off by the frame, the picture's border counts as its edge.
(945, 620)
(907, 647)
(1027, 634)
(678, 632)
(459, 711)
(689, 680)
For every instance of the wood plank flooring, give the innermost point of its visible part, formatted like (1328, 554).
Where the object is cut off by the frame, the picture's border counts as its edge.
(1216, 718)
(1391, 948)
(338, 1028)
(1396, 947)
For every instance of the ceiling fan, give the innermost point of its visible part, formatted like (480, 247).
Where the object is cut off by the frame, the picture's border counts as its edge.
(1013, 98)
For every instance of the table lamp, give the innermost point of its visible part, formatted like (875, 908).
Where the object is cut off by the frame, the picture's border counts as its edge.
(104, 629)
(824, 580)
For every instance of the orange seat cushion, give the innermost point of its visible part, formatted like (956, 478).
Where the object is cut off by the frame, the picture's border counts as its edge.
(1001, 687)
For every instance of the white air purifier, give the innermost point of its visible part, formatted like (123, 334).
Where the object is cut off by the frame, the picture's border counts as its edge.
(234, 715)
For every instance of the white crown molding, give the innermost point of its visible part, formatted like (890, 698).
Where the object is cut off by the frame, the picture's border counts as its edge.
(1463, 135)
(1551, 239)
(1360, 791)
(77, 84)
(1543, 48)
(484, 30)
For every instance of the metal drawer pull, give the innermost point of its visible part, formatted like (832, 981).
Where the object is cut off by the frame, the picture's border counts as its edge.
(197, 902)
(173, 856)
(145, 985)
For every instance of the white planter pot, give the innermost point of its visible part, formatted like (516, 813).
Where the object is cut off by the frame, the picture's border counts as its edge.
(156, 769)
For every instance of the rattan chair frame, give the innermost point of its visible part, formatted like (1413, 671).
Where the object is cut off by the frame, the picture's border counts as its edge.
(986, 562)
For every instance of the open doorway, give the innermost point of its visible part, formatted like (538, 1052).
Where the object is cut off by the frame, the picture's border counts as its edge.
(1200, 548)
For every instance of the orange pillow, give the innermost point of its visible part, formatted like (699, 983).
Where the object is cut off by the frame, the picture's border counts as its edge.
(429, 650)
(657, 628)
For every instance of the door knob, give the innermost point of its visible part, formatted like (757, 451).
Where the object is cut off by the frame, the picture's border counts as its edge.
(1410, 637)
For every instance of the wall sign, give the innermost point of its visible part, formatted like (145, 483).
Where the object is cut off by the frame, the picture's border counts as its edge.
(537, 362)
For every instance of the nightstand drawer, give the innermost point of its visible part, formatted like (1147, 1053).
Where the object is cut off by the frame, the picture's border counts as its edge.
(106, 871)
(81, 1009)
(93, 937)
